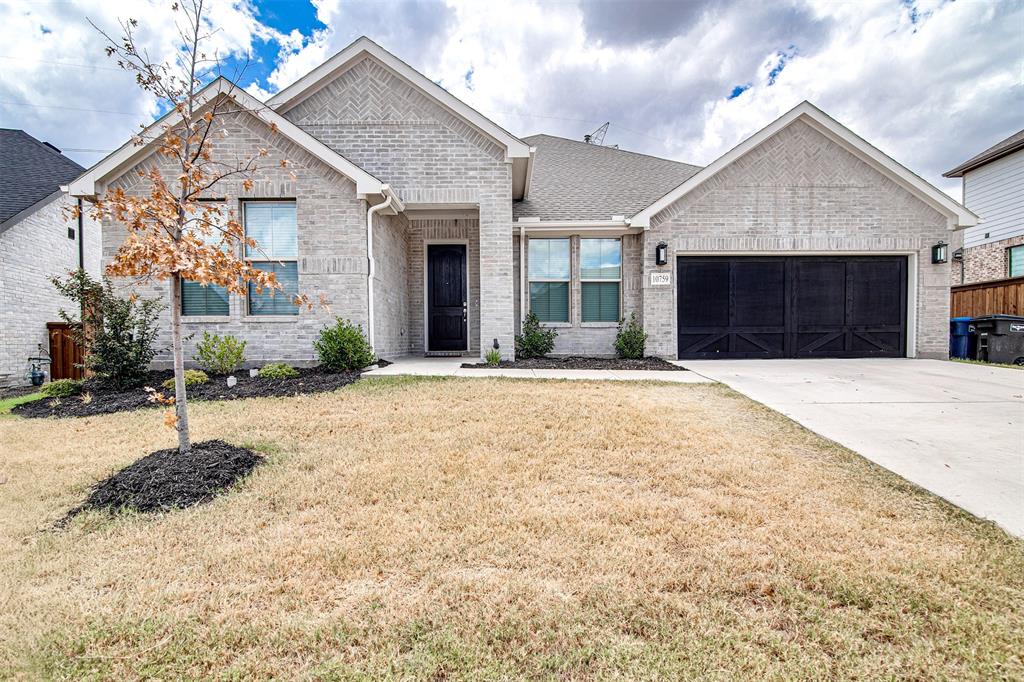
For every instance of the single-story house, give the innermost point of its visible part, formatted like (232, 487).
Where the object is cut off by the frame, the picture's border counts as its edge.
(438, 230)
(993, 187)
(36, 243)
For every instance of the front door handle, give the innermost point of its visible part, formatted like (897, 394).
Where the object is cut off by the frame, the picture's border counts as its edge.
(464, 311)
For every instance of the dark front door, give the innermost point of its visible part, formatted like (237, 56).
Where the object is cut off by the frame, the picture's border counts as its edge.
(446, 297)
(792, 307)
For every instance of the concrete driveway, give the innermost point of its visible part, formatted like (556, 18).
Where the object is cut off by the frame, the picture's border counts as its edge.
(953, 428)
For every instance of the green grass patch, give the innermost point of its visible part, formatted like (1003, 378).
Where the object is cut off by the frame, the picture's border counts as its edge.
(8, 404)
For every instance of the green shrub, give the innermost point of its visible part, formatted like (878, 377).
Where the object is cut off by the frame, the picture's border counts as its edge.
(535, 341)
(493, 357)
(343, 346)
(193, 377)
(117, 334)
(278, 370)
(61, 388)
(219, 354)
(631, 340)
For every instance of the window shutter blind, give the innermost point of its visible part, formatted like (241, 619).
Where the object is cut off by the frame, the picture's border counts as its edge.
(549, 301)
(600, 259)
(1016, 256)
(549, 259)
(282, 302)
(197, 299)
(600, 302)
(273, 227)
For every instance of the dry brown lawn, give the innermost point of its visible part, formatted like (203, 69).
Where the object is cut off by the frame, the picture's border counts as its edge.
(498, 529)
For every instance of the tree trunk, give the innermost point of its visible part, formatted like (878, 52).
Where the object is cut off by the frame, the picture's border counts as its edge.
(180, 404)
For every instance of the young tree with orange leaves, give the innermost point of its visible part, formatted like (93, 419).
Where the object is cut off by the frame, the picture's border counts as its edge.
(172, 234)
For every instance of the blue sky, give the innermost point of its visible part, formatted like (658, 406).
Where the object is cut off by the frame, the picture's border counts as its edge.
(930, 82)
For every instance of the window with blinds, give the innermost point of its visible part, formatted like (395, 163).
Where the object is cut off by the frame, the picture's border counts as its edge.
(600, 280)
(204, 299)
(1015, 261)
(549, 274)
(273, 225)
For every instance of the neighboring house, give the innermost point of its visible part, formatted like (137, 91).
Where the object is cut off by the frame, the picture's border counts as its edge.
(437, 230)
(993, 188)
(36, 243)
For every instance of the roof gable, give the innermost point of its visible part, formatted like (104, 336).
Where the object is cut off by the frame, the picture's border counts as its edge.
(957, 214)
(124, 158)
(354, 53)
(1000, 149)
(30, 171)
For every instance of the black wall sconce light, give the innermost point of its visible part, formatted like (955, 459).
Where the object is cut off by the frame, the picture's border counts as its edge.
(661, 253)
(940, 252)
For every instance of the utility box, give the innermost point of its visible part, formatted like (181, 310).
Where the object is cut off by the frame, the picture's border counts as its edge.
(1000, 338)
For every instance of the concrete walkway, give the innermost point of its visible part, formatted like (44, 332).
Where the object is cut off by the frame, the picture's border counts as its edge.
(419, 366)
(956, 429)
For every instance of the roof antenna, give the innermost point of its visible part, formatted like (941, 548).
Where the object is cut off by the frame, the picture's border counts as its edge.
(597, 137)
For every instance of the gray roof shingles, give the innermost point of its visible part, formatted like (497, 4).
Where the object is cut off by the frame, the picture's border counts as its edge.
(29, 171)
(996, 151)
(579, 181)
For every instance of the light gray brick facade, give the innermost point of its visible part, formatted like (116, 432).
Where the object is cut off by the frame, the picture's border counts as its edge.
(32, 250)
(799, 192)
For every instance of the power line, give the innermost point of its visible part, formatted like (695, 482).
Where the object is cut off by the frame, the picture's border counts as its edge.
(54, 106)
(47, 61)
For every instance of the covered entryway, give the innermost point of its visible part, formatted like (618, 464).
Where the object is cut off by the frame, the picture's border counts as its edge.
(791, 307)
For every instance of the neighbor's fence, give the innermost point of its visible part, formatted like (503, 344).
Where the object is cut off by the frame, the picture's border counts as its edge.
(1001, 296)
(65, 354)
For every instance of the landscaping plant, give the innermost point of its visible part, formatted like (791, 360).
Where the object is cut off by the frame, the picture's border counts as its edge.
(343, 346)
(631, 340)
(193, 377)
(219, 354)
(61, 388)
(493, 357)
(278, 370)
(173, 236)
(118, 335)
(535, 341)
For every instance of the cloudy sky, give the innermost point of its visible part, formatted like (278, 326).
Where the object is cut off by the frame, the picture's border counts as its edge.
(930, 82)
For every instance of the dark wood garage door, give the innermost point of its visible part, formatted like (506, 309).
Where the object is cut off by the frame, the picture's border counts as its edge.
(792, 307)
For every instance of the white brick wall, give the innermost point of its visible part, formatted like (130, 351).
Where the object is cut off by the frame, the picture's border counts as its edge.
(800, 192)
(33, 250)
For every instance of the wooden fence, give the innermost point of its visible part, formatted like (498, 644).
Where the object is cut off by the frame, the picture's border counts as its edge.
(65, 354)
(1001, 296)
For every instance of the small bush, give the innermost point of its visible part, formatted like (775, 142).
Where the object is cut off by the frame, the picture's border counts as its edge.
(631, 340)
(535, 341)
(61, 388)
(343, 346)
(117, 334)
(220, 354)
(193, 377)
(493, 357)
(278, 370)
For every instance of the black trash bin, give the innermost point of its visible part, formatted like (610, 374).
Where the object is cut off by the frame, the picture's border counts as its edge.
(1000, 339)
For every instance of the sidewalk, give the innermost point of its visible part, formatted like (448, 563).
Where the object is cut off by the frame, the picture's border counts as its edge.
(418, 366)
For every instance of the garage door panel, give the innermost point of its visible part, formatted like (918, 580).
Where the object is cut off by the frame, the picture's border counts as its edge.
(767, 307)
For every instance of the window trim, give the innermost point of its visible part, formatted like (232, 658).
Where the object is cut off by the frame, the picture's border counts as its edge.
(1009, 259)
(567, 322)
(261, 258)
(582, 279)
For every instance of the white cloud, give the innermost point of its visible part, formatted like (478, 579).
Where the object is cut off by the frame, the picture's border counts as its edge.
(930, 82)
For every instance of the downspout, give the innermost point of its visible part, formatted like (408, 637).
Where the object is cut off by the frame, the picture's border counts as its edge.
(522, 275)
(81, 237)
(370, 263)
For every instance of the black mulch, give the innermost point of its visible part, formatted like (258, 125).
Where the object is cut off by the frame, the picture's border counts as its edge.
(578, 362)
(15, 391)
(104, 399)
(166, 480)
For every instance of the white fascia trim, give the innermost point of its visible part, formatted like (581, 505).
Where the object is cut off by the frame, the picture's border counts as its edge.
(91, 182)
(321, 75)
(552, 228)
(959, 215)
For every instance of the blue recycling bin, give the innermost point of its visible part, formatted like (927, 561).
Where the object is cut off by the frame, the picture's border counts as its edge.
(960, 338)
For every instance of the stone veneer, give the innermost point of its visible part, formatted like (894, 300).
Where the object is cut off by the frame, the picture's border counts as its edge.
(800, 192)
(985, 262)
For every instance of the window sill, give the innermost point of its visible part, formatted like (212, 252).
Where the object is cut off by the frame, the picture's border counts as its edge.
(204, 319)
(599, 325)
(556, 325)
(270, 318)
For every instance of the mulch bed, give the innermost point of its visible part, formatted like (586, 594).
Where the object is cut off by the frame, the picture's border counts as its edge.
(16, 391)
(105, 400)
(578, 362)
(166, 480)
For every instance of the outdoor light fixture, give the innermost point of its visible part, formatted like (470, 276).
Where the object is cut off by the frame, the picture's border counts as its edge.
(496, 344)
(661, 253)
(940, 252)
(958, 255)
